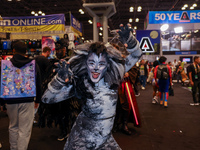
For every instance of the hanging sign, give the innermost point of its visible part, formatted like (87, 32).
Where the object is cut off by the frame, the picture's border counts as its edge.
(174, 17)
(76, 25)
(54, 22)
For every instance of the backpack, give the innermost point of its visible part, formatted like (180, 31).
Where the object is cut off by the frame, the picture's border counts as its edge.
(162, 72)
(17, 82)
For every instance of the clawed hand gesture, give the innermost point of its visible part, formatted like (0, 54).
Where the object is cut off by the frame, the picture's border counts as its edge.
(63, 70)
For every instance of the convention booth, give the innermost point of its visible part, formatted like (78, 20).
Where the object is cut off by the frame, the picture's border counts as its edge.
(35, 31)
(74, 32)
(179, 33)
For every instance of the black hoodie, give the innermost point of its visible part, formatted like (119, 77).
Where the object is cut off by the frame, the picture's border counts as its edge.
(19, 61)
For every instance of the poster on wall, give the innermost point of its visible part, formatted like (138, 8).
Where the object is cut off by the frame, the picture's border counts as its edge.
(196, 40)
(48, 41)
(185, 41)
(149, 40)
(171, 42)
(55, 22)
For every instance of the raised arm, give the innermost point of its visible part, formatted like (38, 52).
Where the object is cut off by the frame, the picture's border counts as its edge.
(61, 86)
(132, 44)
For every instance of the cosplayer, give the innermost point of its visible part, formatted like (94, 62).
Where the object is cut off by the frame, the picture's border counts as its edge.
(127, 110)
(163, 79)
(93, 75)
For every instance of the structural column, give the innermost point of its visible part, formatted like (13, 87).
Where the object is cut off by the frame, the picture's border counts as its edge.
(105, 29)
(95, 30)
(105, 9)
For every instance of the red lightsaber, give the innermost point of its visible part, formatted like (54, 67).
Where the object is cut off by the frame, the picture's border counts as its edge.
(130, 98)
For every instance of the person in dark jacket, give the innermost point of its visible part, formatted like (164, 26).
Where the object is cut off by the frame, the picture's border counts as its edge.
(194, 76)
(21, 110)
(143, 74)
(43, 61)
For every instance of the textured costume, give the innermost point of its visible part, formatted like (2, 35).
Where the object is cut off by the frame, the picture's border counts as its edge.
(93, 75)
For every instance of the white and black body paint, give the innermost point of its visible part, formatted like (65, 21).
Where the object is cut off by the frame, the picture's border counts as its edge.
(95, 81)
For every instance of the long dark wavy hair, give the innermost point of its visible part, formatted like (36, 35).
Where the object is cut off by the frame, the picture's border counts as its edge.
(115, 70)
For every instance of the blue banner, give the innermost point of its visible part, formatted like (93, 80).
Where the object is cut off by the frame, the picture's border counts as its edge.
(186, 53)
(149, 40)
(76, 25)
(53, 22)
(174, 17)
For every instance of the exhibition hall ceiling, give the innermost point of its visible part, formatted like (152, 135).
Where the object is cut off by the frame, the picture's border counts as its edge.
(11, 8)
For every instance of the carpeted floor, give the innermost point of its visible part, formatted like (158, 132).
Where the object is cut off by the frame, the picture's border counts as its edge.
(174, 128)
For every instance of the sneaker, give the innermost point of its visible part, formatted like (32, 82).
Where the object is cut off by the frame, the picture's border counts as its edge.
(62, 136)
(137, 94)
(156, 98)
(165, 104)
(153, 101)
(196, 104)
(161, 102)
(143, 88)
(191, 104)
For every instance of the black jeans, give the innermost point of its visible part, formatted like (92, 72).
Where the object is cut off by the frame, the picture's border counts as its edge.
(194, 91)
(179, 77)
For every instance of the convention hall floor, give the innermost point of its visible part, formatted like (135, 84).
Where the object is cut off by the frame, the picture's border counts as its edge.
(174, 128)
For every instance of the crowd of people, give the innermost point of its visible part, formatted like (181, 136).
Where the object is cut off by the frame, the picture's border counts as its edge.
(85, 81)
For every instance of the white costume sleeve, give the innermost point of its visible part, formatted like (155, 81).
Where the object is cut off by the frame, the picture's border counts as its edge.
(58, 91)
(134, 53)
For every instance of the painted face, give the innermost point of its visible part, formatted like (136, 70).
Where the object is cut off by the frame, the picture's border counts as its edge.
(97, 67)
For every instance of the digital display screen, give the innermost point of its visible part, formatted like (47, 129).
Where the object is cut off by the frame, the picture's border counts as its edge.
(187, 59)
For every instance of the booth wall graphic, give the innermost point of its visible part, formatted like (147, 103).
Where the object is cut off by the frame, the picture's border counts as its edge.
(174, 17)
(48, 41)
(172, 41)
(55, 22)
(76, 25)
(149, 40)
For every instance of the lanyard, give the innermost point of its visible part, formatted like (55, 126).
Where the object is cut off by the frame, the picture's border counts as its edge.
(196, 68)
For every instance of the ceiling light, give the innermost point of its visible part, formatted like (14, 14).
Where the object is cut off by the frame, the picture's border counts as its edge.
(43, 14)
(80, 10)
(139, 7)
(90, 22)
(178, 29)
(137, 20)
(183, 8)
(186, 5)
(9, 0)
(164, 27)
(191, 7)
(82, 38)
(194, 5)
(135, 27)
(139, 10)
(196, 31)
(130, 20)
(100, 34)
(36, 14)
(131, 9)
(32, 12)
(101, 28)
(40, 12)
